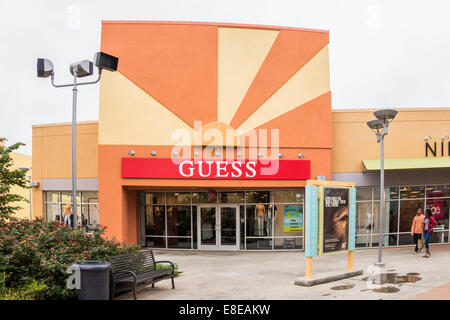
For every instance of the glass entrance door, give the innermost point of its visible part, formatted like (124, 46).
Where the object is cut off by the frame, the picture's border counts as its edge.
(218, 227)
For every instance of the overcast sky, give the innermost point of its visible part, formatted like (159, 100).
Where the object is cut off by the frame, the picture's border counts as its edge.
(382, 53)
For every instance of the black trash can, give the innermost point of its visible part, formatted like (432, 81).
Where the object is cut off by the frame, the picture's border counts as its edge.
(94, 280)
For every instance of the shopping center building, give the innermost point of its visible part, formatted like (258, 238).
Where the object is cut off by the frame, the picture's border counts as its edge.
(208, 132)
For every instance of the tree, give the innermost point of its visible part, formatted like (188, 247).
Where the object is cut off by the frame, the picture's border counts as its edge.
(10, 177)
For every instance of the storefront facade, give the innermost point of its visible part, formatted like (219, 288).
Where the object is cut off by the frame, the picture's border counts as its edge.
(207, 134)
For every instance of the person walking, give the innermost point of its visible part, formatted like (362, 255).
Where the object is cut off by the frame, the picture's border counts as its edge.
(417, 229)
(428, 225)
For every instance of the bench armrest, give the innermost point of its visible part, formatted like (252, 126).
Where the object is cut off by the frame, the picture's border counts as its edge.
(124, 272)
(169, 262)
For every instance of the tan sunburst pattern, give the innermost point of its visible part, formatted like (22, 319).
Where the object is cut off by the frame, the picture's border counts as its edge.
(226, 76)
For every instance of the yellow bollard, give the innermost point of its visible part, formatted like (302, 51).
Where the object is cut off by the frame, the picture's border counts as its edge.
(350, 260)
(308, 267)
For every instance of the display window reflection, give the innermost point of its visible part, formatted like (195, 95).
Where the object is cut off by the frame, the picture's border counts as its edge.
(440, 210)
(179, 220)
(438, 191)
(155, 221)
(408, 209)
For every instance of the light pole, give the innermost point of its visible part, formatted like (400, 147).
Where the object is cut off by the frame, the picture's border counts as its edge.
(78, 70)
(380, 127)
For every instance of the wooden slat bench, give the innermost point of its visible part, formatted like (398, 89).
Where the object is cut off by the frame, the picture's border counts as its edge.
(135, 268)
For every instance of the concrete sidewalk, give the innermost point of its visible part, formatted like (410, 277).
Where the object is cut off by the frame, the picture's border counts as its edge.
(270, 275)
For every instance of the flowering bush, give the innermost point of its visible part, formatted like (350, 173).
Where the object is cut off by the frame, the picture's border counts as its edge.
(36, 254)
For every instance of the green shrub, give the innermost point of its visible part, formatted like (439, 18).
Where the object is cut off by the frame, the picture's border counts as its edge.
(31, 291)
(34, 256)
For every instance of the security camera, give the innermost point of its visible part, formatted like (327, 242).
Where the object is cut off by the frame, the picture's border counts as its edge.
(44, 68)
(106, 61)
(82, 68)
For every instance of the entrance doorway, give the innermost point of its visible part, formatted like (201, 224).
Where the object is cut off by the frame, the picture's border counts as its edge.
(218, 227)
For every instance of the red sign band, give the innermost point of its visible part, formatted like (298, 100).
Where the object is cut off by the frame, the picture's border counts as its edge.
(148, 168)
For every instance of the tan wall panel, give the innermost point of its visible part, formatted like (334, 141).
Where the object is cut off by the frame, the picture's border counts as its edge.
(353, 141)
(52, 151)
(306, 84)
(128, 115)
(241, 54)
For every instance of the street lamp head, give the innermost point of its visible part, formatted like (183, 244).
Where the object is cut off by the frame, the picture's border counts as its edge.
(24, 169)
(106, 61)
(44, 68)
(375, 124)
(385, 115)
(82, 68)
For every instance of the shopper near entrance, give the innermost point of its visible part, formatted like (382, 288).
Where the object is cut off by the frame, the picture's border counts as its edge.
(417, 229)
(428, 225)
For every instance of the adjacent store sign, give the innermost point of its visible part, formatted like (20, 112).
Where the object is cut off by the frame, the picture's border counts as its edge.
(293, 219)
(165, 168)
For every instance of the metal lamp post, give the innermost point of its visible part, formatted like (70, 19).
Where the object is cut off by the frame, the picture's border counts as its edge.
(380, 127)
(78, 70)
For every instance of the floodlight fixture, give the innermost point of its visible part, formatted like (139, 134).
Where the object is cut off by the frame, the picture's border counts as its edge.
(385, 114)
(44, 68)
(82, 68)
(106, 61)
(79, 69)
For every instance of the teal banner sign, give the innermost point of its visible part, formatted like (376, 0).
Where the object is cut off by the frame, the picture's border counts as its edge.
(352, 220)
(311, 220)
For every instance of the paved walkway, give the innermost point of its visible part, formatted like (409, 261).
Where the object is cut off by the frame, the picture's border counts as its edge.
(270, 275)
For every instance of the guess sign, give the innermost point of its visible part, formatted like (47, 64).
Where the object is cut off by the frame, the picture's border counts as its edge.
(147, 168)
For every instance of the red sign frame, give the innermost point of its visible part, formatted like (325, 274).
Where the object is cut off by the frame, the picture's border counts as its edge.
(165, 168)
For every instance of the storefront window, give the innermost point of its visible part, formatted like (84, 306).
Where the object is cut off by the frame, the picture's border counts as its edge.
(53, 212)
(257, 197)
(231, 197)
(155, 198)
(391, 193)
(364, 222)
(411, 192)
(52, 197)
(438, 191)
(288, 243)
(179, 243)
(363, 194)
(155, 223)
(66, 197)
(391, 212)
(408, 209)
(87, 207)
(203, 197)
(440, 209)
(288, 196)
(179, 197)
(179, 220)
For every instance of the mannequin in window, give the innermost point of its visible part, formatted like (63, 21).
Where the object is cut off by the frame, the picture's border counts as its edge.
(369, 227)
(68, 215)
(260, 216)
